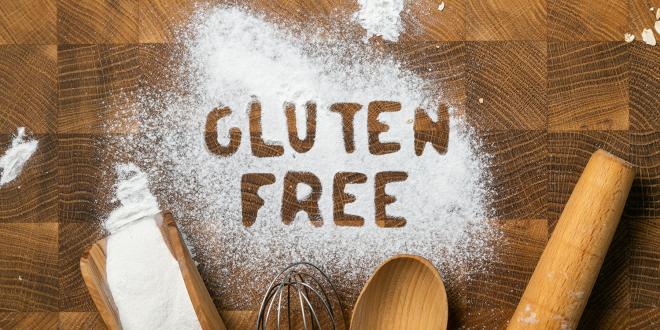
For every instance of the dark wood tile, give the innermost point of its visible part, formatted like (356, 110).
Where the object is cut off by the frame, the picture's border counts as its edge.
(28, 22)
(605, 319)
(506, 276)
(28, 260)
(518, 173)
(89, 22)
(32, 196)
(96, 83)
(28, 321)
(81, 320)
(587, 86)
(505, 20)
(441, 63)
(28, 88)
(74, 239)
(506, 85)
(569, 153)
(644, 200)
(424, 22)
(587, 20)
(645, 263)
(644, 86)
(644, 318)
(81, 177)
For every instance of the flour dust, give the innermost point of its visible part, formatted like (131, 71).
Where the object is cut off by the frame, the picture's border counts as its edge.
(230, 57)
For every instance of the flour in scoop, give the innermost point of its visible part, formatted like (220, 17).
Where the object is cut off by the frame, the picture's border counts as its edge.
(16, 156)
(143, 276)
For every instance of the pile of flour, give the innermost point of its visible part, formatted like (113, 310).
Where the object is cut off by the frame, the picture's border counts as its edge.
(143, 276)
(381, 18)
(16, 156)
(230, 57)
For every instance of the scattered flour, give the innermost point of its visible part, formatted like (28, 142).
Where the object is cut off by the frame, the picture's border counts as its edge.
(12, 162)
(530, 317)
(143, 276)
(232, 56)
(628, 37)
(381, 18)
(648, 37)
(657, 26)
(441, 6)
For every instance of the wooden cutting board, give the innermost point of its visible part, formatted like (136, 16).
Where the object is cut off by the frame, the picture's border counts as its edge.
(92, 267)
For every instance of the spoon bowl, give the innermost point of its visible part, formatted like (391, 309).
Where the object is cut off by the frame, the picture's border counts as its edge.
(405, 292)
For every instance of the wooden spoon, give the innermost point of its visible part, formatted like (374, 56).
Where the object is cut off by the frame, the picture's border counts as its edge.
(405, 292)
(92, 267)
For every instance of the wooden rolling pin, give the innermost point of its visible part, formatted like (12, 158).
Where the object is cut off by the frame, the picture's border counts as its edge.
(565, 274)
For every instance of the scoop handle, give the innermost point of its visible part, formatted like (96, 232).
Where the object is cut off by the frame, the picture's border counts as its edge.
(567, 270)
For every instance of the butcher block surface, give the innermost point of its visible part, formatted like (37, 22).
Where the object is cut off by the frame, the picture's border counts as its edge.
(556, 79)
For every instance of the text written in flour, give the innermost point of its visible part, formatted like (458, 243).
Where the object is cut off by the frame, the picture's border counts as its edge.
(425, 131)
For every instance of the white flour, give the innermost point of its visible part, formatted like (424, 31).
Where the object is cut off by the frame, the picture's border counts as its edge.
(143, 276)
(12, 162)
(232, 56)
(381, 18)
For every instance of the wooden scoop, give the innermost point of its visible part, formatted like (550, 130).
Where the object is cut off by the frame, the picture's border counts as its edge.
(92, 267)
(405, 292)
(567, 270)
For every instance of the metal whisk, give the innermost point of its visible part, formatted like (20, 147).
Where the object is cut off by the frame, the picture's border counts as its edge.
(301, 291)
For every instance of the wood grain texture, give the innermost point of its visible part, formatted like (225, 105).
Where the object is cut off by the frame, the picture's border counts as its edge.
(505, 20)
(28, 22)
(404, 292)
(28, 88)
(645, 194)
(74, 238)
(95, 83)
(506, 275)
(32, 196)
(598, 90)
(510, 79)
(81, 321)
(28, 264)
(28, 320)
(587, 86)
(570, 264)
(424, 22)
(519, 180)
(645, 318)
(441, 63)
(568, 153)
(90, 22)
(587, 20)
(644, 84)
(645, 263)
(79, 171)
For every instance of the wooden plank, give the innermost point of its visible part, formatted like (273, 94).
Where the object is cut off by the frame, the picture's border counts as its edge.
(645, 263)
(33, 195)
(505, 277)
(569, 153)
(28, 320)
(517, 102)
(81, 320)
(28, 22)
(28, 260)
(645, 318)
(424, 22)
(28, 88)
(95, 83)
(645, 194)
(89, 22)
(74, 238)
(587, 20)
(519, 175)
(587, 86)
(643, 87)
(505, 20)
